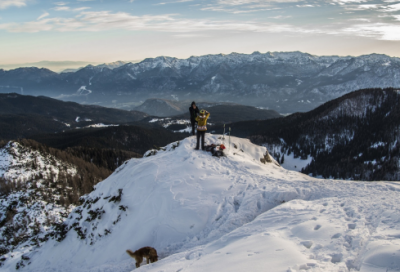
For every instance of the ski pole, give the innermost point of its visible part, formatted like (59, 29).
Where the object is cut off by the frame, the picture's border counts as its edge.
(229, 138)
(223, 135)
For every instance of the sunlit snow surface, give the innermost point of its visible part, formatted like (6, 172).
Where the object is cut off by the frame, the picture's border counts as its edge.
(233, 213)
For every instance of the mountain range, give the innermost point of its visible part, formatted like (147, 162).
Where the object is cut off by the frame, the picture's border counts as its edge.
(283, 81)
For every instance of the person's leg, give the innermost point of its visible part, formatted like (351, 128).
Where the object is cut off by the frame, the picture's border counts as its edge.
(193, 128)
(203, 134)
(198, 138)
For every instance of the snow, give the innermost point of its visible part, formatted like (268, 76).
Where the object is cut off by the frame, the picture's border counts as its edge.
(232, 213)
(155, 120)
(295, 164)
(378, 144)
(100, 125)
(32, 219)
(83, 91)
(166, 122)
(16, 163)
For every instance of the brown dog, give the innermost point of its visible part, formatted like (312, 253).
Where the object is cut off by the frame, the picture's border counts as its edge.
(149, 253)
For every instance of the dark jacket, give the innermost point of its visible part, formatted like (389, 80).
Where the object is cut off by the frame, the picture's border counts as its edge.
(193, 113)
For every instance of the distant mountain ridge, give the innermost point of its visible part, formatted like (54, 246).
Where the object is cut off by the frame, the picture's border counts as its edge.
(160, 107)
(283, 81)
(111, 65)
(22, 116)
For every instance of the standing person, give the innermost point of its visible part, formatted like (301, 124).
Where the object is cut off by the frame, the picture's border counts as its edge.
(194, 110)
(201, 127)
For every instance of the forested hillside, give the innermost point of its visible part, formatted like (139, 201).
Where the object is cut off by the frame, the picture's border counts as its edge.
(128, 138)
(39, 186)
(353, 137)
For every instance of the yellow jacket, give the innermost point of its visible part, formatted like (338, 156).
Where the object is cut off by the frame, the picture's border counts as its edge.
(202, 122)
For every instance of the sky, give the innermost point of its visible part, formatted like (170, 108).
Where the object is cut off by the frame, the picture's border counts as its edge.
(111, 30)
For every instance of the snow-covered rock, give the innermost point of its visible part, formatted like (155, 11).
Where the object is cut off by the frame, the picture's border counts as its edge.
(234, 213)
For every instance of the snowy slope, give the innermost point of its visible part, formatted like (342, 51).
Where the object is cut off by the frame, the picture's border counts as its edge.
(30, 208)
(19, 163)
(234, 213)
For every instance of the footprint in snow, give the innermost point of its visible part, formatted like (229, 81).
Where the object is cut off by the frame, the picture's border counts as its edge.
(307, 244)
(336, 258)
(321, 211)
(351, 226)
(337, 235)
(317, 227)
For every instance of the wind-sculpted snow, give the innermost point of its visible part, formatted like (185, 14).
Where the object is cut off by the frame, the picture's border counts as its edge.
(232, 213)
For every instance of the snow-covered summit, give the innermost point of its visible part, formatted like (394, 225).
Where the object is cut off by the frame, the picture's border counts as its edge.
(234, 213)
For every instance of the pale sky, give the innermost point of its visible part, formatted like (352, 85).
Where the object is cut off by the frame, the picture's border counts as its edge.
(111, 30)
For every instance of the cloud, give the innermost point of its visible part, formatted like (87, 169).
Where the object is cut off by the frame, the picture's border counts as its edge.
(247, 2)
(105, 20)
(380, 31)
(246, 6)
(43, 15)
(97, 21)
(305, 6)
(10, 3)
(190, 36)
(392, 8)
(62, 8)
(361, 20)
(366, 7)
(280, 17)
(172, 2)
(248, 9)
(81, 9)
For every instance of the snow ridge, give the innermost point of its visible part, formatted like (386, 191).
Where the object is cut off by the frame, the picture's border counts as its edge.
(233, 213)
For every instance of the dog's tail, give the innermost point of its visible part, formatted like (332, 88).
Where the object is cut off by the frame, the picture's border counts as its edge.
(130, 253)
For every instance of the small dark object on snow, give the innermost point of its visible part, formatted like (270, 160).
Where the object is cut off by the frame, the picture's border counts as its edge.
(216, 150)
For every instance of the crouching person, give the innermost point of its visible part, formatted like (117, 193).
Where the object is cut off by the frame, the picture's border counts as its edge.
(201, 127)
